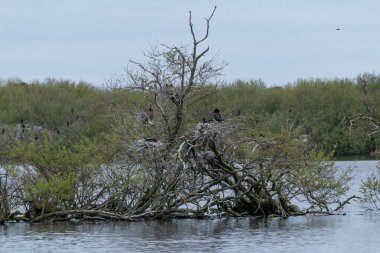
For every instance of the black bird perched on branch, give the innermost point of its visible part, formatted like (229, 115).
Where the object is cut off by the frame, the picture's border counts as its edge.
(150, 139)
(217, 116)
(150, 113)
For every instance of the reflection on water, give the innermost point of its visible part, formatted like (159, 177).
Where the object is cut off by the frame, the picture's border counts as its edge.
(355, 232)
(351, 233)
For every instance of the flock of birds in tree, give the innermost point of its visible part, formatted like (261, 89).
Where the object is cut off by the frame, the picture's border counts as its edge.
(148, 118)
(216, 116)
(23, 127)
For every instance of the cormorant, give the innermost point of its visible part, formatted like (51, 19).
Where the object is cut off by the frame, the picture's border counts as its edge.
(217, 116)
(150, 113)
(150, 139)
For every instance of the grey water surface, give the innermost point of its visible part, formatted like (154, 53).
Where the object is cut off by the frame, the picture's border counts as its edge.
(358, 231)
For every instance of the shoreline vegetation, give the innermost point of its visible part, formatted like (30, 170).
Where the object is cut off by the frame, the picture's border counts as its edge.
(319, 109)
(169, 141)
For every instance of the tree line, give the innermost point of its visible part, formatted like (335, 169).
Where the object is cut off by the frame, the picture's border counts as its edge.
(319, 109)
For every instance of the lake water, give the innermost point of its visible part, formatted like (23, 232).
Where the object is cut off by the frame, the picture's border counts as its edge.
(358, 231)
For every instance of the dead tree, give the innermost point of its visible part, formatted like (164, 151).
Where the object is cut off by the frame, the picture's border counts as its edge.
(172, 76)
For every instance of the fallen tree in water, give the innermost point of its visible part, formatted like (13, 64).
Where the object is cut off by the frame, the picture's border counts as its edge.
(163, 165)
(213, 171)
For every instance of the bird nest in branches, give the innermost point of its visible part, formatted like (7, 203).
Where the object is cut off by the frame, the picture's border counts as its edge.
(208, 139)
(212, 131)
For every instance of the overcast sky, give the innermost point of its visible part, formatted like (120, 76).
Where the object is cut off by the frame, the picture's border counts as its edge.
(277, 41)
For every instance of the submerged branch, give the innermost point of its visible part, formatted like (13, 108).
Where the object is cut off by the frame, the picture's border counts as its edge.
(104, 214)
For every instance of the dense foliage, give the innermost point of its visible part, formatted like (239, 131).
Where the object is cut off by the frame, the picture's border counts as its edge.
(318, 109)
